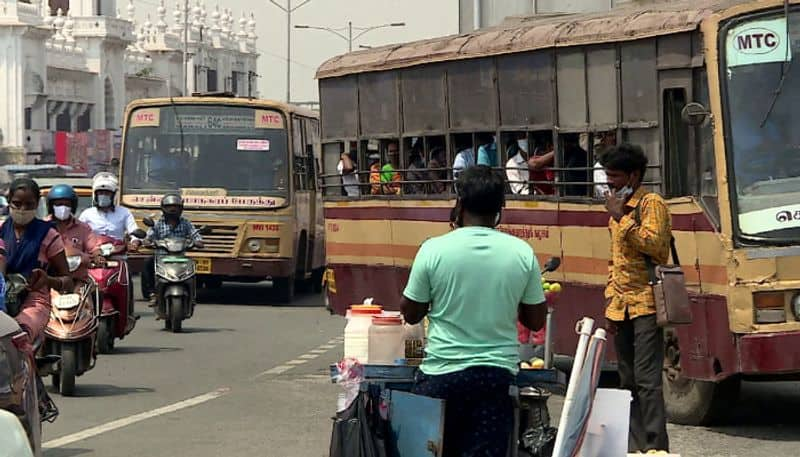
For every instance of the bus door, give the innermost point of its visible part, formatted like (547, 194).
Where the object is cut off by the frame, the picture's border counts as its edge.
(304, 196)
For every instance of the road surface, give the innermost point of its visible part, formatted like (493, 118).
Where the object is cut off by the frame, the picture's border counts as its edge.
(248, 378)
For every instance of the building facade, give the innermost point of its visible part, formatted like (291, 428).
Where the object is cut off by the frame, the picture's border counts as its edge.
(69, 67)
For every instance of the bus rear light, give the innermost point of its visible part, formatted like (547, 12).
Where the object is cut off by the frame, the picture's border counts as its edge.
(769, 300)
(770, 307)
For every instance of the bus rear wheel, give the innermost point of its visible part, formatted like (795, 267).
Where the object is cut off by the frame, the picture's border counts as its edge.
(691, 401)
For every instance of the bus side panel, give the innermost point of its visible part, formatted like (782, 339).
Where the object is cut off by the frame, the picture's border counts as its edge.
(707, 346)
(354, 283)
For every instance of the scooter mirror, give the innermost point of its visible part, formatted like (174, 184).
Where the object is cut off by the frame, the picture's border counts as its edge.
(552, 264)
(148, 221)
(205, 230)
(139, 233)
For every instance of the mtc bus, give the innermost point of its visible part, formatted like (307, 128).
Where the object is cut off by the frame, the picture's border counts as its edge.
(707, 88)
(246, 168)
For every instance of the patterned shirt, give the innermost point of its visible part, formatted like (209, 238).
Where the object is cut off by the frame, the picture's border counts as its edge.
(183, 229)
(628, 280)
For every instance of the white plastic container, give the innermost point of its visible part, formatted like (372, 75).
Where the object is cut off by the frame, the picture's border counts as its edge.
(386, 342)
(607, 429)
(356, 333)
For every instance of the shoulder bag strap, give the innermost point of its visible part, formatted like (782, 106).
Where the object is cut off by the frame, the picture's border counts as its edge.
(651, 267)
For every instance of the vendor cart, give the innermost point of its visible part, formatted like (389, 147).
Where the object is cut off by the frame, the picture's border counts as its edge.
(416, 423)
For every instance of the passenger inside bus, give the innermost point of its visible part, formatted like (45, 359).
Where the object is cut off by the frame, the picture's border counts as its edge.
(465, 157)
(576, 160)
(518, 168)
(390, 177)
(541, 162)
(487, 150)
(416, 170)
(375, 173)
(438, 175)
(605, 141)
(348, 168)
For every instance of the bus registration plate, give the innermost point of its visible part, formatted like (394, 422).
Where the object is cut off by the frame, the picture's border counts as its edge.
(203, 265)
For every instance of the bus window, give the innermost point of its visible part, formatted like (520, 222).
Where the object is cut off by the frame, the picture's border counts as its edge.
(298, 155)
(331, 156)
(414, 161)
(676, 144)
(704, 139)
(574, 164)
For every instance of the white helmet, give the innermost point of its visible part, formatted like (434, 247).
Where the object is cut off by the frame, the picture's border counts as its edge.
(105, 181)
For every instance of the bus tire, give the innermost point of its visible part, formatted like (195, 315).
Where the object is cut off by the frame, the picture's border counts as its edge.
(691, 401)
(316, 280)
(284, 288)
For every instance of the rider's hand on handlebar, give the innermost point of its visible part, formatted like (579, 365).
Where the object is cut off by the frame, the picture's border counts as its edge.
(133, 246)
(38, 280)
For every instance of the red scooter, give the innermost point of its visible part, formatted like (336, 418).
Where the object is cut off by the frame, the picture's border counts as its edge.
(116, 318)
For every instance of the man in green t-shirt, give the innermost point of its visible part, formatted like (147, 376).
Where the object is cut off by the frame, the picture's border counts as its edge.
(474, 283)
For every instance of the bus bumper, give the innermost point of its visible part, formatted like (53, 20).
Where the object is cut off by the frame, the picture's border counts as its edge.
(241, 267)
(769, 353)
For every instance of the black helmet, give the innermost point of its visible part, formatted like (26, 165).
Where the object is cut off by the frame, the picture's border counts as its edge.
(172, 200)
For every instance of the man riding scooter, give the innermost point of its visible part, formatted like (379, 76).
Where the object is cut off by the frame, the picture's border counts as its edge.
(170, 225)
(112, 224)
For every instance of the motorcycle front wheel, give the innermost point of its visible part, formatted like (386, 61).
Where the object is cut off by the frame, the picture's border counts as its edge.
(105, 335)
(69, 366)
(175, 316)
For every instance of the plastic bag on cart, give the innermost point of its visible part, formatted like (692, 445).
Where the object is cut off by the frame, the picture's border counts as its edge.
(358, 430)
(350, 375)
(539, 437)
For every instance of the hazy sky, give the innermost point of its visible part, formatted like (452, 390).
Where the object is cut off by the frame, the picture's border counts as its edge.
(423, 18)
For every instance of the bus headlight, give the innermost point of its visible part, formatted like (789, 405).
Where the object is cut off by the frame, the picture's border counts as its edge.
(254, 245)
(796, 306)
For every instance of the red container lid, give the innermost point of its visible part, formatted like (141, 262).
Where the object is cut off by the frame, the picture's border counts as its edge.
(387, 320)
(364, 310)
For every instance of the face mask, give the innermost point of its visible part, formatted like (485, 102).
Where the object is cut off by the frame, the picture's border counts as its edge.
(62, 213)
(523, 144)
(22, 216)
(624, 193)
(103, 201)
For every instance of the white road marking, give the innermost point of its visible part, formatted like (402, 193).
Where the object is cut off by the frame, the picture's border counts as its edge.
(300, 360)
(124, 422)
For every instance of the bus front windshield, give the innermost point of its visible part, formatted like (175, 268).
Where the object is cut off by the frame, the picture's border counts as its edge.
(216, 156)
(762, 78)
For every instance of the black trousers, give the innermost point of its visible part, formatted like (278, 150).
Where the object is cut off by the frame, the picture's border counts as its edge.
(640, 352)
(479, 414)
(149, 277)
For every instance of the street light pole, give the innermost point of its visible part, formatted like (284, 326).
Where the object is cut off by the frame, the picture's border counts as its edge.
(349, 37)
(288, 9)
(185, 47)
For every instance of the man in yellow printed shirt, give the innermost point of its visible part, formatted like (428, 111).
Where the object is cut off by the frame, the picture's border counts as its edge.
(640, 226)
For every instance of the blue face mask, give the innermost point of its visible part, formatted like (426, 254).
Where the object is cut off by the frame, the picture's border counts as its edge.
(104, 201)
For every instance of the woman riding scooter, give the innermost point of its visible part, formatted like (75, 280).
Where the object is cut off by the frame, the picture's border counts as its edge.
(71, 332)
(78, 238)
(33, 248)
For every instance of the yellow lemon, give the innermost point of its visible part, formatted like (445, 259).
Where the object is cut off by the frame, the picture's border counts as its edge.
(555, 287)
(546, 286)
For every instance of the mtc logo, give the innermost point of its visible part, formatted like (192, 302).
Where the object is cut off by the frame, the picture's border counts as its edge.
(757, 41)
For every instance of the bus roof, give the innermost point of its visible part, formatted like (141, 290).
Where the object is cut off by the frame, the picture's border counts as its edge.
(529, 33)
(211, 100)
